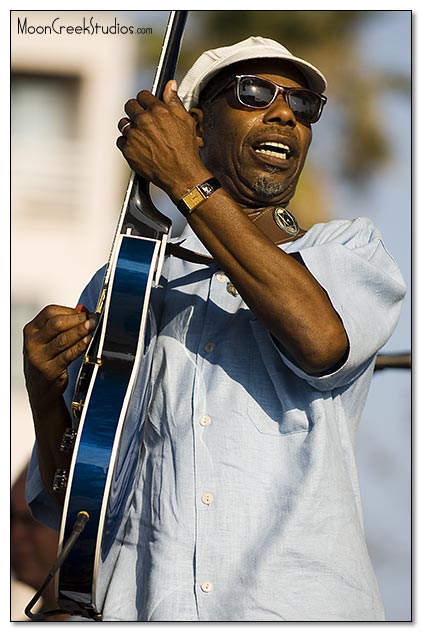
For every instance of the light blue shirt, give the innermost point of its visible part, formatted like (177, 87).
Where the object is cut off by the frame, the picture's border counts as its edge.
(248, 504)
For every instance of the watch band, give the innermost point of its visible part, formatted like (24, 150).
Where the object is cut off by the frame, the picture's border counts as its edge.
(197, 195)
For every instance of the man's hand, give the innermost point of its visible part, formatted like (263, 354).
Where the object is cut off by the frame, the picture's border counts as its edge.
(160, 143)
(56, 337)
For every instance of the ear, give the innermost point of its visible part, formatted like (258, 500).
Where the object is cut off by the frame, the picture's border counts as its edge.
(198, 116)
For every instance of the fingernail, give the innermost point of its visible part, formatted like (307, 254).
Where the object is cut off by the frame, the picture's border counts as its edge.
(82, 308)
(173, 85)
(87, 339)
(91, 323)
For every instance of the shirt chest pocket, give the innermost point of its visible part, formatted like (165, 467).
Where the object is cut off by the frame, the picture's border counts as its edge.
(276, 401)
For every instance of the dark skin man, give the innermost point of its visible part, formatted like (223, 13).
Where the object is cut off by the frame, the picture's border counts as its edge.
(177, 150)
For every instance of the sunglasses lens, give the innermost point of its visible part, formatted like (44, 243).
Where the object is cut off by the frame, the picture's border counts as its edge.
(305, 105)
(255, 92)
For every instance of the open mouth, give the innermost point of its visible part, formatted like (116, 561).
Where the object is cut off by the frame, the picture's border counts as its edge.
(274, 149)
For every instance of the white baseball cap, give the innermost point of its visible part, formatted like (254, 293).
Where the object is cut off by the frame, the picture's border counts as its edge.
(212, 62)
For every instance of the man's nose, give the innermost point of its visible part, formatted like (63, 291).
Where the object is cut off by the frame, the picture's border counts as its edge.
(279, 112)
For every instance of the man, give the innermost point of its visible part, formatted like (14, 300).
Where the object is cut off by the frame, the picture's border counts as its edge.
(247, 505)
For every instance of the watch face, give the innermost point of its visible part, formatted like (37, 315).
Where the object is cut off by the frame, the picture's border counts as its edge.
(285, 220)
(193, 198)
(207, 189)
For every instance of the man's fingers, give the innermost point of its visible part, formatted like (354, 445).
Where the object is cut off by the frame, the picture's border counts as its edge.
(135, 107)
(56, 337)
(146, 101)
(68, 338)
(56, 329)
(61, 361)
(69, 345)
(51, 311)
(52, 358)
(124, 126)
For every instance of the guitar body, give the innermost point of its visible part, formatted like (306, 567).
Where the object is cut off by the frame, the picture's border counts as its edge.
(107, 450)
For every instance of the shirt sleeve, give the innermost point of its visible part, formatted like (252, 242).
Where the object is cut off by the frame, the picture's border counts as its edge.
(43, 507)
(365, 287)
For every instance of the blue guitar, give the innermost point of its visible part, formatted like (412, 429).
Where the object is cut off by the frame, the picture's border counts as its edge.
(111, 391)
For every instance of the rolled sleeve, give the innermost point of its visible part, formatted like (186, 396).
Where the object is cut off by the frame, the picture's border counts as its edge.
(366, 289)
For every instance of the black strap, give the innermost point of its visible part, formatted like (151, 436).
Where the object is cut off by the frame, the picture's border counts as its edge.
(264, 221)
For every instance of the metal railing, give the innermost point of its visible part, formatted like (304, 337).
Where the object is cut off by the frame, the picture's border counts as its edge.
(393, 361)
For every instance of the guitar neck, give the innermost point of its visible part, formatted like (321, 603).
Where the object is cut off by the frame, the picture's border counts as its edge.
(139, 216)
(170, 50)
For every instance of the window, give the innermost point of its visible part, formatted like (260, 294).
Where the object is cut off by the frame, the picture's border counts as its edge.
(48, 172)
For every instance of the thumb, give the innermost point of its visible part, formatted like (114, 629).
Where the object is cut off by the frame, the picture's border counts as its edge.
(170, 96)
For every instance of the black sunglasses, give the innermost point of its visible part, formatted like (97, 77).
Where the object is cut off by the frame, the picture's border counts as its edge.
(258, 93)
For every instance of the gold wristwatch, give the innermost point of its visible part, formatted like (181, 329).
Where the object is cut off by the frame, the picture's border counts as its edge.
(197, 195)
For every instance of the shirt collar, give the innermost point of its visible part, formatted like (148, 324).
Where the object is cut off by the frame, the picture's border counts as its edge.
(190, 241)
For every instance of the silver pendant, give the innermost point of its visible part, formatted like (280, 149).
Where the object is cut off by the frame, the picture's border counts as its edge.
(285, 220)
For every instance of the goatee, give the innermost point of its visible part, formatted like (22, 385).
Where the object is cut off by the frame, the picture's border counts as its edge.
(266, 186)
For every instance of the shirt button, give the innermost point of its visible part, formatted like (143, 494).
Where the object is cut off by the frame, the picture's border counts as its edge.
(221, 277)
(207, 498)
(210, 346)
(207, 587)
(205, 420)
